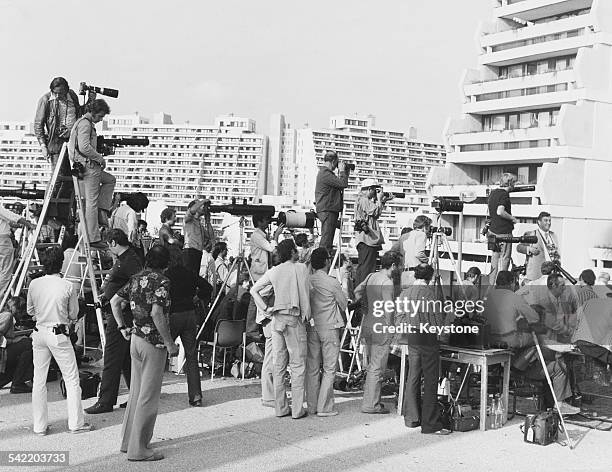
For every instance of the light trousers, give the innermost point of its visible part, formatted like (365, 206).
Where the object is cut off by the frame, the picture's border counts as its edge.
(289, 344)
(46, 344)
(377, 355)
(148, 364)
(7, 261)
(323, 347)
(267, 368)
(97, 187)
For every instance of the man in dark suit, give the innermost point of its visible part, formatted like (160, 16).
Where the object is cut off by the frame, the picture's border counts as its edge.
(546, 249)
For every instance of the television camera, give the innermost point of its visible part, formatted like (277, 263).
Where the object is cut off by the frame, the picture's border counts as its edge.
(109, 92)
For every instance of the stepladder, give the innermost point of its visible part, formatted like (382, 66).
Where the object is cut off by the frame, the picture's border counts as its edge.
(29, 253)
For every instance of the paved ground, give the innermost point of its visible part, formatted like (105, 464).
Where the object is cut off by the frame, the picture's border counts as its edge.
(234, 432)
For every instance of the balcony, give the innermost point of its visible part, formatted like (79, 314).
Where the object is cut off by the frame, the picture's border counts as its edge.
(501, 136)
(491, 38)
(534, 9)
(526, 102)
(541, 50)
(472, 88)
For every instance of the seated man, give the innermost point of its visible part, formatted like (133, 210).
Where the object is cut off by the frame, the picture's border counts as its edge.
(593, 334)
(15, 351)
(511, 318)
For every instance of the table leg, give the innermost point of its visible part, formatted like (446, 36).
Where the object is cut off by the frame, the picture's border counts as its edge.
(402, 382)
(484, 389)
(506, 389)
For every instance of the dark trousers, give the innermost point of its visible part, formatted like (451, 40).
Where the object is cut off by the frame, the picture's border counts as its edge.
(367, 256)
(184, 324)
(19, 364)
(423, 361)
(252, 328)
(117, 361)
(192, 259)
(329, 221)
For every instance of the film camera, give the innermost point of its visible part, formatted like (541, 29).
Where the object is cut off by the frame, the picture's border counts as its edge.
(106, 147)
(493, 241)
(108, 92)
(446, 230)
(61, 329)
(446, 204)
(350, 166)
(389, 195)
(361, 226)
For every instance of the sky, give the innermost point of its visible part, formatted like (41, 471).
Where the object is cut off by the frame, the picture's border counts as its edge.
(400, 60)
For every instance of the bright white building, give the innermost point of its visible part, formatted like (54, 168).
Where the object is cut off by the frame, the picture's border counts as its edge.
(397, 159)
(539, 105)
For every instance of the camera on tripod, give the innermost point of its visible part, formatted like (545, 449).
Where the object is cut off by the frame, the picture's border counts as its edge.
(493, 241)
(445, 230)
(108, 92)
(441, 205)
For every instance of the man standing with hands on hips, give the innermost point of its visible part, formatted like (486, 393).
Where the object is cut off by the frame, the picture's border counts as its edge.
(329, 197)
(502, 224)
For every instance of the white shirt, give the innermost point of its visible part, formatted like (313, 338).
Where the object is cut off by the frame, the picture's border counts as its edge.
(7, 216)
(52, 300)
(125, 219)
(207, 268)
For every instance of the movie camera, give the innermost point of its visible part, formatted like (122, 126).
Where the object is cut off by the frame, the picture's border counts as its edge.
(289, 218)
(108, 92)
(23, 193)
(442, 205)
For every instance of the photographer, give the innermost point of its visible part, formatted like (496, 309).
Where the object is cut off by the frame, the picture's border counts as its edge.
(502, 223)
(56, 114)
(53, 303)
(96, 185)
(117, 349)
(546, 249)
(329, 197)
(7, 251)
(413, 248)
(261, 253)
(197, 233)
(368, 208)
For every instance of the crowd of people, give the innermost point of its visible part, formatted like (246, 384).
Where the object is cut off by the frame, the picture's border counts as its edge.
(286, 295)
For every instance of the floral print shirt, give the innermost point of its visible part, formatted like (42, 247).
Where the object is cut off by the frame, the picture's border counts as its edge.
(145, 289)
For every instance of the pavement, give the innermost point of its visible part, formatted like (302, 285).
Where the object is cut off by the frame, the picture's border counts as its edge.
(233, 431)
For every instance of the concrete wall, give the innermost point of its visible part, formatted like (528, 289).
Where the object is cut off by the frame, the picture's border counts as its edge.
(562, 183)
(576, 124)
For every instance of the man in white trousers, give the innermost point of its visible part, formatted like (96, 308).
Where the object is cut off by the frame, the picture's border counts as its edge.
(53, 303)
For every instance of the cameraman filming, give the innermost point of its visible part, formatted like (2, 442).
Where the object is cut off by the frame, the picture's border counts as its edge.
(97, 186)
(502, 224)
(328, 197)
(56, 114)
(368, 208)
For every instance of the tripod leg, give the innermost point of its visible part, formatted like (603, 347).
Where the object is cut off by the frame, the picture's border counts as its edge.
(552, 390)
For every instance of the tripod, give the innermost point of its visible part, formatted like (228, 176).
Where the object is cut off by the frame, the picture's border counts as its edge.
(238, 264)
(439, 239)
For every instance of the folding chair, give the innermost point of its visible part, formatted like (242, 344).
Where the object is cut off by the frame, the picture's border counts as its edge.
(228, 334)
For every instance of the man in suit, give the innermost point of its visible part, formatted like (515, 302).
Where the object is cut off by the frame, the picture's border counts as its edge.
(546, 249)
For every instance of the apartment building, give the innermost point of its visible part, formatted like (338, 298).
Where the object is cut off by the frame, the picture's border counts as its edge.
(539, 105)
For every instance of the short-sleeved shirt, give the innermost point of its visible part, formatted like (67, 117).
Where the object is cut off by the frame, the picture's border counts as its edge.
(499, 225)
(145, 289)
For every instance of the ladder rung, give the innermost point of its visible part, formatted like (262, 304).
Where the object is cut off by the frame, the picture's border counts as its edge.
(60, 200)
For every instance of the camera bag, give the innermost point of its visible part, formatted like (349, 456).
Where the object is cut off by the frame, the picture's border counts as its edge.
(89, 385)
(542, 428)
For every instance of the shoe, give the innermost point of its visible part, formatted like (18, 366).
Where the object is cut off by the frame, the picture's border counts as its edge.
(42, 433)
(380, 410)
(442, 432)
(123, 405)
(413, 424)
(269, 403)
(565, 409)
(304, 414)
(83, 429)
(98, 408)
(157, 456)
(284, 414)
(196, 403)
(328, 413)
(21, 388)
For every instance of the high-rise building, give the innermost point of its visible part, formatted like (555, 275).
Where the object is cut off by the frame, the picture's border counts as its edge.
(181, 162)
(398, 160)
(539, 105)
